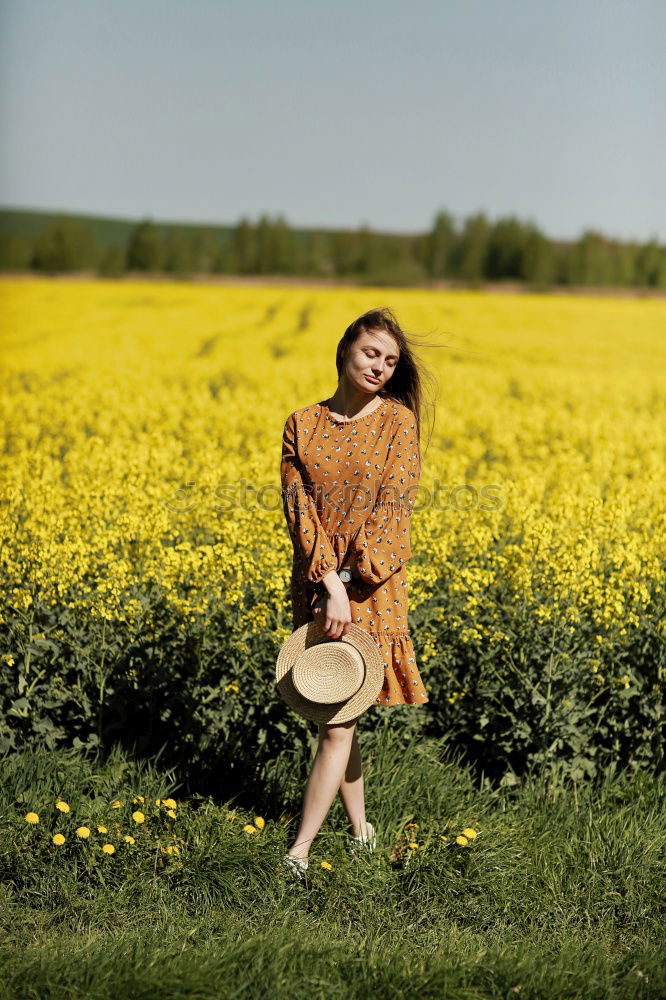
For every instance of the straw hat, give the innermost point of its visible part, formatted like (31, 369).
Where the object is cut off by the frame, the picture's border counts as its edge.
(329, 680)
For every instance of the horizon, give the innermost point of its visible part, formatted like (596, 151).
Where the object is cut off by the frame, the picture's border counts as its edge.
(134, 220)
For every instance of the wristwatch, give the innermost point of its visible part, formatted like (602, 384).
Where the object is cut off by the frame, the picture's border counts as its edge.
(345, 575)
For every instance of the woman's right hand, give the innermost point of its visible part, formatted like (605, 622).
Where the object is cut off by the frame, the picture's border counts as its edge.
(333, 613)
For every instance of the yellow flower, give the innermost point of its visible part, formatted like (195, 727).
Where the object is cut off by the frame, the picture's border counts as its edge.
(169, 803)
(139, 798)
(138, 816)
(462, 840)
(62, 806)
(259, 822)
(102, 829)
(442, 837)
(171, 813)
(32, 818)
(469, 832)
(248, 828)
(327, 866)
(82, 832)
(116, 804)
(158, 802)
(58, 839)
(109, 849)
(173, 849)
(414, 846)
(412, 826)
(128, 839)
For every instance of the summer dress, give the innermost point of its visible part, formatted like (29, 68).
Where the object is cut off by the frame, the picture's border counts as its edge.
(350, 486)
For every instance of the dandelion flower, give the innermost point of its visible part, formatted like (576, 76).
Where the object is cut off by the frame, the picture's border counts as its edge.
(102, 829)
(169, 803)
(128, 839)
(171, 813)
(138, 816)
(116, 804)
(259, 822)
(109, 849)
(469, 832)
(158, 802)
(327, 866)
(414, 846)
(462, 840)
(82, 831)
(62, 806)
(138, 798)
(248, 828)
(173, 849)
(58, 839)
(32, 818)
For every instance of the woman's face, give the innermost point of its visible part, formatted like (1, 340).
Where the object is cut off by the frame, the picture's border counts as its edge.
(371, 360)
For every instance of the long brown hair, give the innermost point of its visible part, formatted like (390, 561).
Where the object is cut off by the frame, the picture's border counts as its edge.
(410, 375)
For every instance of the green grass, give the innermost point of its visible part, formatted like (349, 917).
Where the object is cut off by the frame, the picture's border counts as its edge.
(559, 895)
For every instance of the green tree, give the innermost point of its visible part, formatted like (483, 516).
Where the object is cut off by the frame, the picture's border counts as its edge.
(648, 264)
(439, 245)
(350, 251)
(318, 254)
(15, 252)
(538, 264)
(245, 247)
(112, 264)
(473, 251)
(506, 248)
(590, 260)
(225, 260)
(179, 253)
(144, 248)
(66, 245)
(204, 249)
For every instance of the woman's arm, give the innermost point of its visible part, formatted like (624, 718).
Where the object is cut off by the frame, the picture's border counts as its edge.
(300, 510)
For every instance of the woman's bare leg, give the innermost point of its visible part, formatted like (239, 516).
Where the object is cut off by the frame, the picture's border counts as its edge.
(326, 776)
(352, 791)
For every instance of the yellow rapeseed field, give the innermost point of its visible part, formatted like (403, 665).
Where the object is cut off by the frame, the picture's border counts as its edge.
(142, 442)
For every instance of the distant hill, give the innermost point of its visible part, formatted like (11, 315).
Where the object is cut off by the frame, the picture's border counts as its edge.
(474, 251)
(109, 233)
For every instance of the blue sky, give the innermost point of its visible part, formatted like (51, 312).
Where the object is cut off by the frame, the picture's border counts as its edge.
(338, 114)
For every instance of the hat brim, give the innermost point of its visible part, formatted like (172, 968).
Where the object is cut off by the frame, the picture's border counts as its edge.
(311, 634)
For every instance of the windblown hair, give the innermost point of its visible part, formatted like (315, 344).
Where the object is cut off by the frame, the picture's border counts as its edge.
(406, 384)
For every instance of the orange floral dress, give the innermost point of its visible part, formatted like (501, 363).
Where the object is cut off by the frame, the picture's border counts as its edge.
(349, 487)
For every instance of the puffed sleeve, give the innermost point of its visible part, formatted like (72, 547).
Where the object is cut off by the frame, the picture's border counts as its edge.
(307, 533)
(382, 544)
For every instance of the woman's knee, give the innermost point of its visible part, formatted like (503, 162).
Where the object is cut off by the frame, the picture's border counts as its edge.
(337, 733)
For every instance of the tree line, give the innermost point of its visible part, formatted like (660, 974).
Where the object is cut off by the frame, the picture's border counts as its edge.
(477, 251)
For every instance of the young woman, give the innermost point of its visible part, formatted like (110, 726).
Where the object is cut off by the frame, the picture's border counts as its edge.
(350, 470)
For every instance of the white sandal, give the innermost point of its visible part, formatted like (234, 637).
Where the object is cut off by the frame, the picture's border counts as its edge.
(295, 866)
(367, 841)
